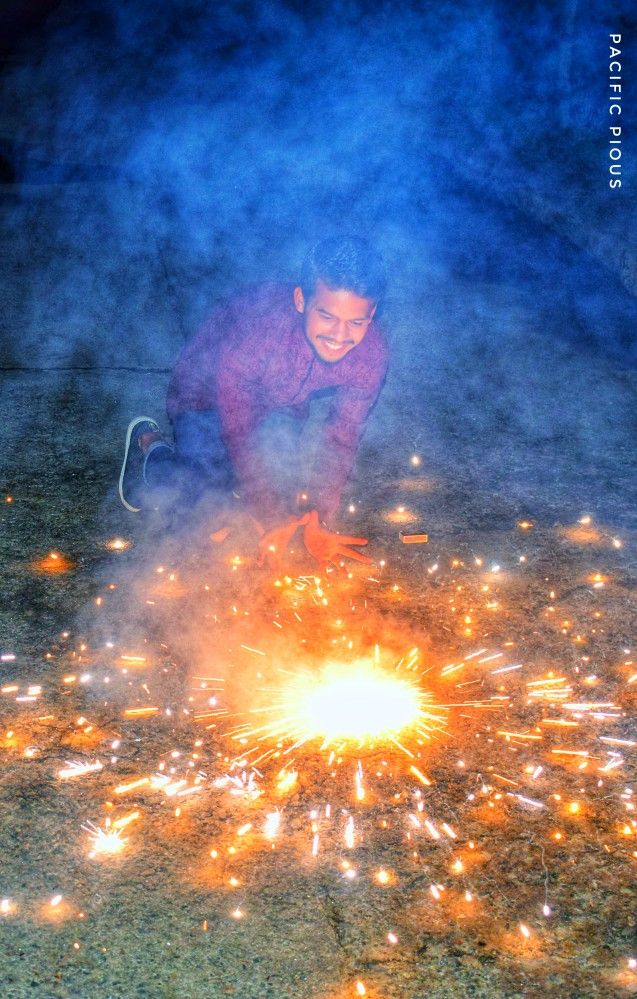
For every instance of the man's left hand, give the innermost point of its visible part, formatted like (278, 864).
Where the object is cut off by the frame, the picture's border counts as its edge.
(328, 547)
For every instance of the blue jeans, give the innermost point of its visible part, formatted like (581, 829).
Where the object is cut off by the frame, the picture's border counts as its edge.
(178, 477)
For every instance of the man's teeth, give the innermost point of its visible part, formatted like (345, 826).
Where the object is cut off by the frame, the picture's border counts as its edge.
(333, 346)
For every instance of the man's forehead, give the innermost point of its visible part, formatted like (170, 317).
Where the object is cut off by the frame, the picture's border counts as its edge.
(342, 303)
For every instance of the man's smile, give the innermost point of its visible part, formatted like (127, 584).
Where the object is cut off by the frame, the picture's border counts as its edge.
(335, 345)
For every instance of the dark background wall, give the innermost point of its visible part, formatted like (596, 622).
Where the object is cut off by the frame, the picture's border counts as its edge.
(154, 156)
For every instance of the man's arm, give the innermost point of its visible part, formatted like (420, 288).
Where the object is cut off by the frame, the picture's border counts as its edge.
(216, 370)
(238, 390)
(334, 460)
(192, 384)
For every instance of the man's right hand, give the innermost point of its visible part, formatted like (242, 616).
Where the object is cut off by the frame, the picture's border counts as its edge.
(274, 542)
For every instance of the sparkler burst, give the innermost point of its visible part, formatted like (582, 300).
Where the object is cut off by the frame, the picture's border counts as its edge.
(359, 703)
(104, 842)
(417, 774)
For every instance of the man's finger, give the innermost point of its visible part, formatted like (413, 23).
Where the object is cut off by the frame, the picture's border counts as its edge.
(266, 554)
(357, 556)
(347, 539)
(219, 536)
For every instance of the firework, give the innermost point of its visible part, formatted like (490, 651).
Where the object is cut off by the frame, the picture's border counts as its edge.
(431, 778)
(358, 703)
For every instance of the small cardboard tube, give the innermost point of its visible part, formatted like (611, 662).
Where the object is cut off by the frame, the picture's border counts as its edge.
(413, 539)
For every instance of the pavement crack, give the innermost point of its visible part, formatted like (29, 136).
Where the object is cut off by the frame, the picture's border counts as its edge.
(334, 918)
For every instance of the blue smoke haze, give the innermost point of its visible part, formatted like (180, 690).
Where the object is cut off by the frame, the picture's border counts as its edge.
(166, 154)
(227, 136)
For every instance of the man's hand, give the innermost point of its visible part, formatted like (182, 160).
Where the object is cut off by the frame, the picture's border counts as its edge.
(328, 547)
(273, 543)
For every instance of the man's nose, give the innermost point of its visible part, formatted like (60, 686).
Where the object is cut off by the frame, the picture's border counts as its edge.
(341, 333)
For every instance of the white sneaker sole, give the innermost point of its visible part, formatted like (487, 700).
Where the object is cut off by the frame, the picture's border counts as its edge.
(129, 433)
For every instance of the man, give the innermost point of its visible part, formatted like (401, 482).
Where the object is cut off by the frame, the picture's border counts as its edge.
(264, 355)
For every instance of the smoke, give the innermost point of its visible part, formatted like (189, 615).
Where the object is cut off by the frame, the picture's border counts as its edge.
(166, 155)
(218, 142)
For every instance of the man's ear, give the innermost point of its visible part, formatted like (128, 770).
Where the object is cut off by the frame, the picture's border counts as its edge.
(299, 300)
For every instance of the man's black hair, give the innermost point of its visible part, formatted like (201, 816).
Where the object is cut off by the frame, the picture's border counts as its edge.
(347, 263)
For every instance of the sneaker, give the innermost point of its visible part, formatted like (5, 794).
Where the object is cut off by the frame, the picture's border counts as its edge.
(131, 477)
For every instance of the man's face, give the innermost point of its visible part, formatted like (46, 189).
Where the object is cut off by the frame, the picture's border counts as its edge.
(334, 321)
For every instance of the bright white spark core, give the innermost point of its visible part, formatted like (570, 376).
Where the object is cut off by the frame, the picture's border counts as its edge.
(104, 841)
(358, 706)
(357, 702)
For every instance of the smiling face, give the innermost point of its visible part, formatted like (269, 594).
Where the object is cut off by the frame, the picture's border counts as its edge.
(334, 321)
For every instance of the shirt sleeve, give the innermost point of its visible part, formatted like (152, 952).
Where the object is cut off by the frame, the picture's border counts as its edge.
(334, 460)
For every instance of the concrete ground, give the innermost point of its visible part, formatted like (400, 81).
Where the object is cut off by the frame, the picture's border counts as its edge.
(497, 859)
